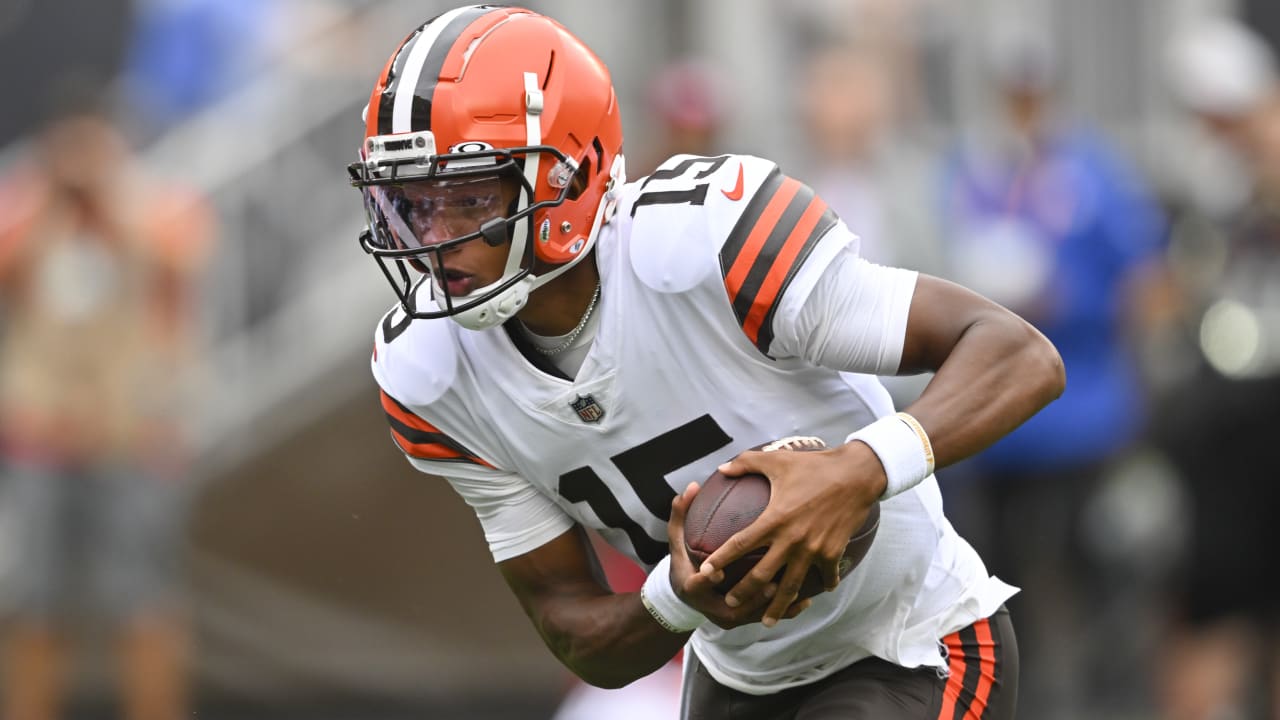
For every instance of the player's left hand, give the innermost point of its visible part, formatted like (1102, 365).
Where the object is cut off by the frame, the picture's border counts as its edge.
(817, 500)
(698, 591)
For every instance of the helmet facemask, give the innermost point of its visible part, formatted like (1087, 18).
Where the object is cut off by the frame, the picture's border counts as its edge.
(504, 92)
(422, 207)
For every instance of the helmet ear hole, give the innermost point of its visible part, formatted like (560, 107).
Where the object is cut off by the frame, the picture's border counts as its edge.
(579, 182)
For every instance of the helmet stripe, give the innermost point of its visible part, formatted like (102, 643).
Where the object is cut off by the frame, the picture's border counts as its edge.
(415, 84)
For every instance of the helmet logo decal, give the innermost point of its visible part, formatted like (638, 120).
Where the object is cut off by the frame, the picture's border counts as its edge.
(468, 147)
(577, 246)
(471, 146)
(544, 230)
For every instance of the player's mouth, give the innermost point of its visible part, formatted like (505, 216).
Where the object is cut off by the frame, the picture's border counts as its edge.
(458, 282)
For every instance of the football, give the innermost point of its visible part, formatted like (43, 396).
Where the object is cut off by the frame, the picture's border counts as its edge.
(725, 505)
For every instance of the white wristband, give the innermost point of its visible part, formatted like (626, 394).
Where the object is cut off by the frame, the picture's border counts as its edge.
(664, 605)
(903, 448)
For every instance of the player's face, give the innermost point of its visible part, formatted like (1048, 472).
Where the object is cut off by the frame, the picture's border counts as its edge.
(431, 214)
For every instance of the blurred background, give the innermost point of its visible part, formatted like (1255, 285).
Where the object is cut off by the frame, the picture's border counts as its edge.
(202, 515)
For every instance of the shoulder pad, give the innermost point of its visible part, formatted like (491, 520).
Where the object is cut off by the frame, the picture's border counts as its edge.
(737, 214)
(715, 189)
(414, 360)
(682, 213)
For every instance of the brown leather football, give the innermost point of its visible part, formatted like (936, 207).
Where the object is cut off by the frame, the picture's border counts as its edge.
(725, 505)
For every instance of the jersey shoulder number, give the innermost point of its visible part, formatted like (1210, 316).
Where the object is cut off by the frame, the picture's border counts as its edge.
(763, 223)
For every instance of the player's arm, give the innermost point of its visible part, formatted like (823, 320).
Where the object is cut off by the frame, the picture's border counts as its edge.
(993, 371)
(608, 639)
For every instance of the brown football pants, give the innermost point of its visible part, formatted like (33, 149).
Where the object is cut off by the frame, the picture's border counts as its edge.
(981, 684)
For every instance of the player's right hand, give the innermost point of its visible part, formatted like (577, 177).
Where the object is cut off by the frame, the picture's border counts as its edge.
(699, 591)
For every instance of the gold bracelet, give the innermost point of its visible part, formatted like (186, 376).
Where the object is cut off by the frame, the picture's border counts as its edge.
(924, 438)
(666, 624)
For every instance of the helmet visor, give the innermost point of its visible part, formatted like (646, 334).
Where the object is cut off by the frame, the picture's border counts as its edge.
(424, 222)
(438, 211)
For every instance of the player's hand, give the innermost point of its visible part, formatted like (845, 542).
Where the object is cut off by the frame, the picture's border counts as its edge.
(817, 500)
(698, 590)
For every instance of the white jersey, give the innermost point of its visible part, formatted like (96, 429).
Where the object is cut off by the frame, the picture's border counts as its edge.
(704, 271)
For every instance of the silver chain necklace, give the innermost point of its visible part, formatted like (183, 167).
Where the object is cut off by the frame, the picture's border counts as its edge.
(574, 333)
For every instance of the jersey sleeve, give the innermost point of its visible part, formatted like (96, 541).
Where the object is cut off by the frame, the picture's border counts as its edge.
(853, 320)
(767, 235)
(422, 441)
(414, 365)
(773, 238)
(516, 517)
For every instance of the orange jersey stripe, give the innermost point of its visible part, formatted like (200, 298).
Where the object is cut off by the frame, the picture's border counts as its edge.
(781, 268)
(395, 410)
(420, 439)
(987, 662)
(955, 681)
(737, 274)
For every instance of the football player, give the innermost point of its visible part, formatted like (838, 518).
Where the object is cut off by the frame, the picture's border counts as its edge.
(570, 350)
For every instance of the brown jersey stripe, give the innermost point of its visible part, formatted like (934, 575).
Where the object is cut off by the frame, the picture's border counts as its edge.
(431, 451)
(780, 216)
(745, 275)
(766, 248)
(421, 439)
(744, 241)
(397, 411)
(814, 222)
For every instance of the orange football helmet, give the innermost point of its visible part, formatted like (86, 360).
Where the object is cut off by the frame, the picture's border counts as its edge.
(477, 93)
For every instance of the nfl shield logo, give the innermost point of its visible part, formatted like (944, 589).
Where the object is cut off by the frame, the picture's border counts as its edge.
(588, 409)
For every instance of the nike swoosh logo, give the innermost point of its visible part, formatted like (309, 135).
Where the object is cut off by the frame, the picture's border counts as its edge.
(736, 192)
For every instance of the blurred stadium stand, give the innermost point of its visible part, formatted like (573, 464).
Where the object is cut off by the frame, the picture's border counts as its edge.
(330, 579)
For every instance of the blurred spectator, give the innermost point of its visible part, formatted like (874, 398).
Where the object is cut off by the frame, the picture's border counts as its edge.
(875, 178)
(861, 163)
(91, 37)
(1044, 218)
(687, 102)
(97, 266)
(1221, 413)
(186, 54)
